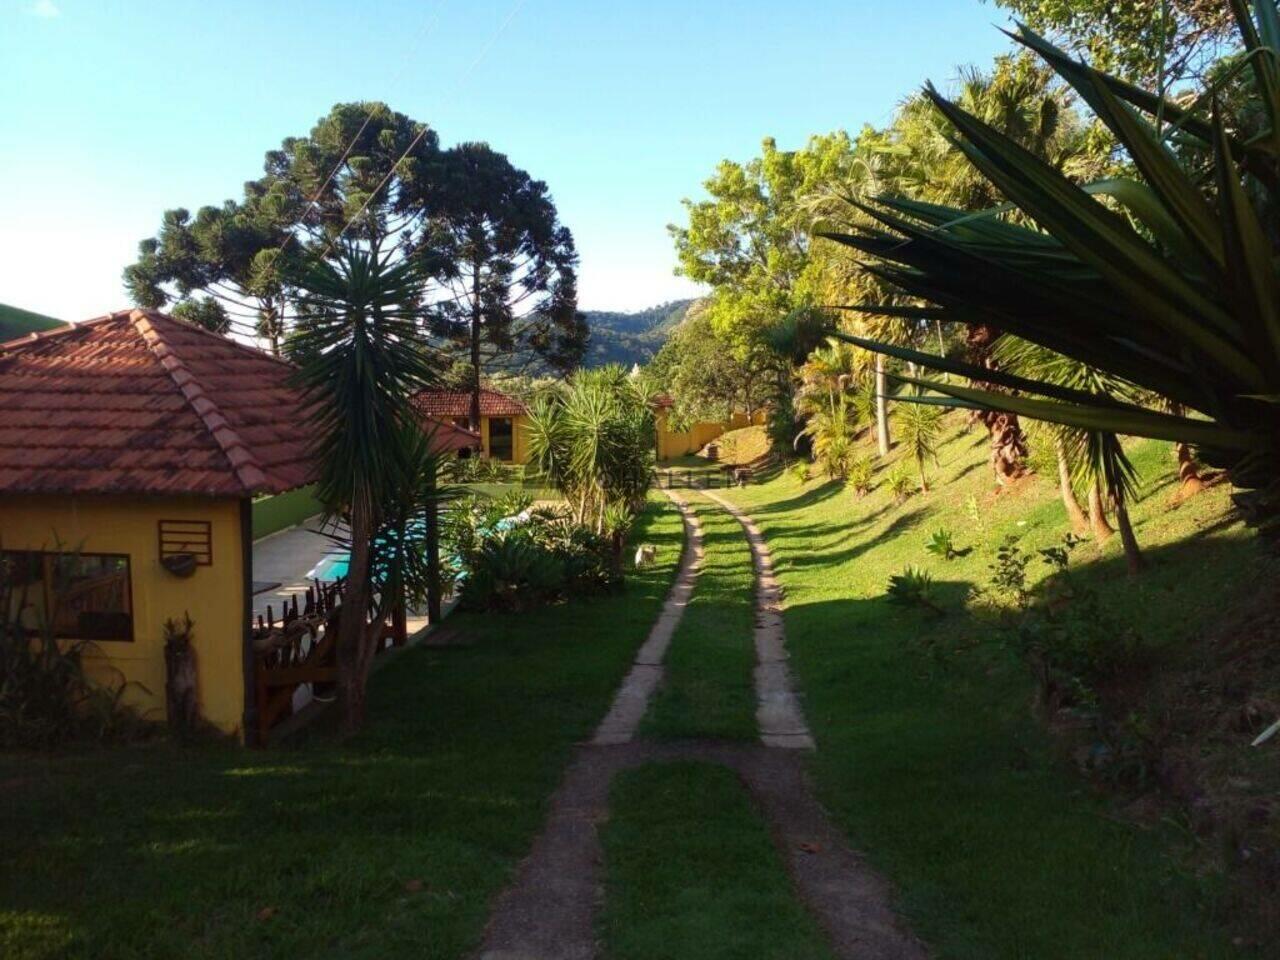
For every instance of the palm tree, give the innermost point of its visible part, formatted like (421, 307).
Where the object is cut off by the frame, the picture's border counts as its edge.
(1019, 99)
(1183, 307)
(364, 362)
(1095, 458)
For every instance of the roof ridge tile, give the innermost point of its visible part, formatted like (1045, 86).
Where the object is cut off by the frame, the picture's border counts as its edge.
(247, 469)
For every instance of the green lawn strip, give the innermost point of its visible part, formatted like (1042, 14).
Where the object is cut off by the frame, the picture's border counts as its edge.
(928, 751)
(691, 873)
(390, 845)
(707, 686)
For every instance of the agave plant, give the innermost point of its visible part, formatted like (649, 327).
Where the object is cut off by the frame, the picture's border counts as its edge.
(1167, 282)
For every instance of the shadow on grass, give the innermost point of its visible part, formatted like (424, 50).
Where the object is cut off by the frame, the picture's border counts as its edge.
(824, 491)
(930, 758)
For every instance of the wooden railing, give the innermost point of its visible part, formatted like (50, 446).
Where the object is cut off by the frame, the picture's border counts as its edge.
(301, 648)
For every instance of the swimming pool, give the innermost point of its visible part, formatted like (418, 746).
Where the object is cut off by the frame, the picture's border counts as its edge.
(334, 566)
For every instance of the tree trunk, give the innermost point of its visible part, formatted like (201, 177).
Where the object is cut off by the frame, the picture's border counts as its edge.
(353, 638)
(434, 592)
(474, 419)
(1189, 482)
(1098, 516)
(924, 484)
(1132, 555)
(1008, 445)
(1075, 514)
(882, 407)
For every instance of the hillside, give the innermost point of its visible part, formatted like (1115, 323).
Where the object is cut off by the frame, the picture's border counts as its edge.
(16, 322)
(629, 338)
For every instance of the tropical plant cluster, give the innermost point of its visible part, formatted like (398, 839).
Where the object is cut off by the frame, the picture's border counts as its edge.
(593, 440)
(509, 556)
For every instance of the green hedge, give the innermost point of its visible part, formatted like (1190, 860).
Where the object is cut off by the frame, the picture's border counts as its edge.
(284, 510)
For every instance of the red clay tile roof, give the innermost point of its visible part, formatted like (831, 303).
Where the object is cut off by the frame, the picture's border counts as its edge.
(457, 403)
(448, 437)
(138, 402)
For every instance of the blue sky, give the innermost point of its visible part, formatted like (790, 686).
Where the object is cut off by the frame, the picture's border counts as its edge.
(114, 111)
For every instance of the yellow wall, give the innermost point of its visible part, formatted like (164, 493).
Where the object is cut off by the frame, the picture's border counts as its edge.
(520, 438)
(674, 443)
(213, 595)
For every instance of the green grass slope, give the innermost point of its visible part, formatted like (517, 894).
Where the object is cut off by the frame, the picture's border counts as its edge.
(929, 753)
(16, 322)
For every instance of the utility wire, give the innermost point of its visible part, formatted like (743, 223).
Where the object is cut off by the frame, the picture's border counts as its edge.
(427, 26)
(511, 14)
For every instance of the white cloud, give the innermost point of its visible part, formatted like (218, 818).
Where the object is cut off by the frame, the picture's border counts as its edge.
(45, 9)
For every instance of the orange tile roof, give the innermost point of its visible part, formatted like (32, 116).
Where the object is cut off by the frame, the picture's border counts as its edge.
(139, 402)
(457, 403)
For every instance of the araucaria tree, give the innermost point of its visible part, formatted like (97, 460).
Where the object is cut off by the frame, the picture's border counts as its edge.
(229, 267)
(492, 238)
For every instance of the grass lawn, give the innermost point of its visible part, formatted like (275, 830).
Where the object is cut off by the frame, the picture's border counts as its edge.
(928, 750)
(390, 845)
(707, 687)
(693, 875)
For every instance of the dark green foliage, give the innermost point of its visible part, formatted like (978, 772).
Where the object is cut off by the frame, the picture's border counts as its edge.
(942, 544)
(913, 587)
(244, 253)
(511, 557)
(491, 237)
(204, 312)
(15, 322)
(1070, 640)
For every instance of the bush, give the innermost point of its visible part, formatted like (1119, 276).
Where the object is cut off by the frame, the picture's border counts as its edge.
(510, 557)
(1072, 643)
(943, 545)
(913, 588)
(861, 470)
(477, 470)
(799, 470)
(901, 484)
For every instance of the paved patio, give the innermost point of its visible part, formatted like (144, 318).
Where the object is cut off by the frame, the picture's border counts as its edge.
(285, 559)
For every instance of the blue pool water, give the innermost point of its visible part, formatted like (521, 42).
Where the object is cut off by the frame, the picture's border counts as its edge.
(334, 566)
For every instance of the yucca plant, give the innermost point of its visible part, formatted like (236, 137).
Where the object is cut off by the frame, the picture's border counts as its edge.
(1168, 283)
(919, 432)
(593, 440)
(365, 361)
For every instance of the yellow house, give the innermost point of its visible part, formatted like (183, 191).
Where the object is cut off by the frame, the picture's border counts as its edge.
(131, 448)
(678, 443)
(504, 420)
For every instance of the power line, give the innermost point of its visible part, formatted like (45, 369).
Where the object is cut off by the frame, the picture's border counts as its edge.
(427, 25)
(466, 74)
